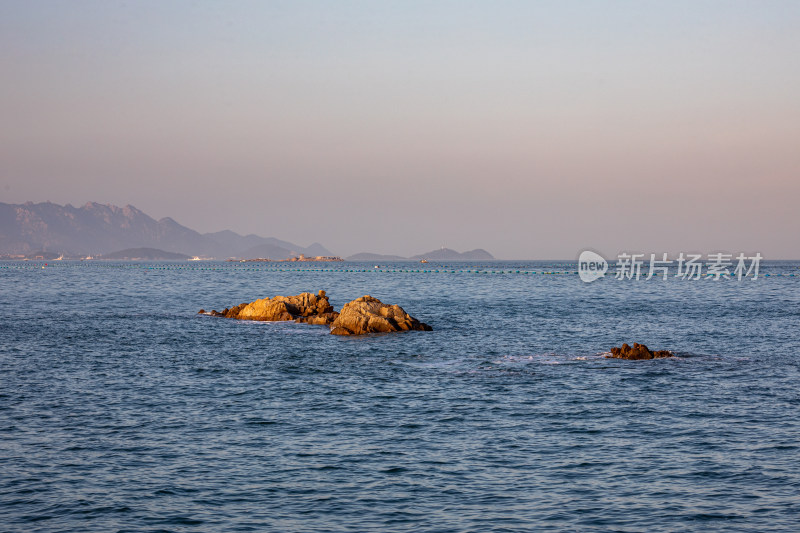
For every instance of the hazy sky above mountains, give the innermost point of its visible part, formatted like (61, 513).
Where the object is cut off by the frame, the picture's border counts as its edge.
(531, 129)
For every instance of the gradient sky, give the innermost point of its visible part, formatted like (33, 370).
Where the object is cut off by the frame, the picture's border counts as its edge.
(531, 129)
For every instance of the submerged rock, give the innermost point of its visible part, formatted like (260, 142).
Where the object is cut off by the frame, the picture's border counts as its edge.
(370, 315)
(638, 351)
(304, 307)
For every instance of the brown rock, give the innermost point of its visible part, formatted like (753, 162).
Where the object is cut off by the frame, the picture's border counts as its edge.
(323, 319)
(637, 352)
(304, 307)
(370, 315)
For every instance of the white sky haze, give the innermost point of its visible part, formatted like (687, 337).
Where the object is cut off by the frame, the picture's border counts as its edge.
(531, 129)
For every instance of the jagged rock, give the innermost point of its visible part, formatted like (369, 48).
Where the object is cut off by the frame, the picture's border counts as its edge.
(304, 307)
(638, 351)
(361, 316)
(370, 315)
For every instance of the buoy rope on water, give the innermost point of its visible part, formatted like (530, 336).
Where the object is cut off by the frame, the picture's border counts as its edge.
(479, 271)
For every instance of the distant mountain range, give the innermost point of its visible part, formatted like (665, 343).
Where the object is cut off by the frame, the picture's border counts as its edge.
(97, 229)
(48, 230)
(442, 254)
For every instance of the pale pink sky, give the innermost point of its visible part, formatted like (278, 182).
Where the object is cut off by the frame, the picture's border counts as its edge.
(533, 130)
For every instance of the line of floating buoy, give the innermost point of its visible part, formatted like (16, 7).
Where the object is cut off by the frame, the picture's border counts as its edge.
(479, 271)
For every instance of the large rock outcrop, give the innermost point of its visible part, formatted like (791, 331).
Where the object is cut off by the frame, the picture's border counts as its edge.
(370, 315)
(304, 307)
(359, 317)
(638, 351)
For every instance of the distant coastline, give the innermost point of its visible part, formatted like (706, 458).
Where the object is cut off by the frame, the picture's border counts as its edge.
(301, 258)
(48, 231)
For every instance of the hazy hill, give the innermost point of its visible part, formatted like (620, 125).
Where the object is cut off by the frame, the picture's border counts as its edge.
(269, 251)
(442, 254)
(316, 249)
(277, 249)
(148, 254)
(234, 240)
(366, 256)
(97, 229)
(446, 254)
(250, 246)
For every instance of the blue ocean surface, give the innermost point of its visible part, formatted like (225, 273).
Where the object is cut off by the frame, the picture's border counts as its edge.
(122, 409)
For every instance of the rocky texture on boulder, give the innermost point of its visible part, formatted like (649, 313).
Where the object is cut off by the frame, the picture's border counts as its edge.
(359, 317)
(638, 351)
(370, 315)
(304, 307)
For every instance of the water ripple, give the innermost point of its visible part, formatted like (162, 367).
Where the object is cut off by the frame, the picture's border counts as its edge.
(122, 410)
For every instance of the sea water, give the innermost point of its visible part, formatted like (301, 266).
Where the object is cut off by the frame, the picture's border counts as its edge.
(122, 409)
